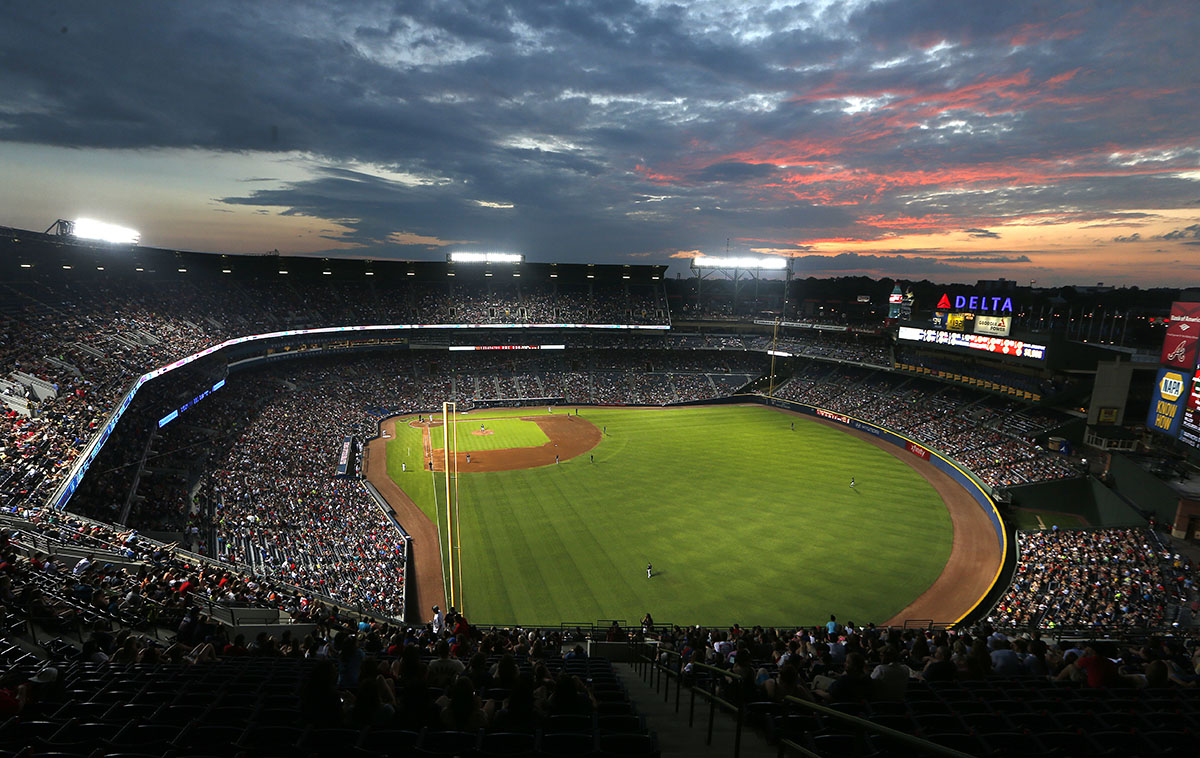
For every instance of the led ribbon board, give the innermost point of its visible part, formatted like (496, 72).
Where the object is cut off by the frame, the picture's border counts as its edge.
(175, 413)
(67, 487)
(1015, 348)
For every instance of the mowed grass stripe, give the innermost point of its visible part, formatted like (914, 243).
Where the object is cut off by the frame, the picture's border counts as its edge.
(744, 519)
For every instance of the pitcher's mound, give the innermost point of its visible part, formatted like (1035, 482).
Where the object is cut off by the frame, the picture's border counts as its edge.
(484, 433)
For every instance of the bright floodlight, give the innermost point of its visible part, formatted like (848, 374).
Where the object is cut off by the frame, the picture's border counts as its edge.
(90, 229)
(706, 261)
(485, 257)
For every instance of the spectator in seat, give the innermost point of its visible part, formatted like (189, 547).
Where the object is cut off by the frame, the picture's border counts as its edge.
(461, 708)
(940, 668)
(1099, 670)
(890, 677)
(519, 712)
(320, 704)
(852, 686)
(1005, 661)
(569, 698)
(375, 700)
(350, 660)
(444, 670)
(787, 684)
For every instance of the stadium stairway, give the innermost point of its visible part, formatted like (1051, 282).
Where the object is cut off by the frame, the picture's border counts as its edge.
(675, 737)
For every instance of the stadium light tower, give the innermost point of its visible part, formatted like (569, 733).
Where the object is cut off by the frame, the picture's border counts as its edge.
(464, 257)
(734, 266)
(91, 229)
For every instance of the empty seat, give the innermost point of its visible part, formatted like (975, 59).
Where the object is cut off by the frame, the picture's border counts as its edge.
(565, 744)
(632, 745)
(506, 744)
(625, 723)
(448, 743)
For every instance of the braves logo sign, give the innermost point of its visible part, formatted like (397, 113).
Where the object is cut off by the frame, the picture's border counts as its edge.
(1179, 346)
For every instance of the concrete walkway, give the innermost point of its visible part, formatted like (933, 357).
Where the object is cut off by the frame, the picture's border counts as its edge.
(674, 736)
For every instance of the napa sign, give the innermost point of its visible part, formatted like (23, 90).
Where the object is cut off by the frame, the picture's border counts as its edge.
(1167, 404)
(976, 303)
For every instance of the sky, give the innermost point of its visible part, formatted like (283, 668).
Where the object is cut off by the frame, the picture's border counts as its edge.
(1055, 142)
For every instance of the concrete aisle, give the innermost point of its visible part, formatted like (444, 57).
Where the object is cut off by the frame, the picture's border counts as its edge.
(674, 736)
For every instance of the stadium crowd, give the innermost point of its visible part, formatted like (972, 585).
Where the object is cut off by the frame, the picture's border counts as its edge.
(952, 420)
(1101, 578)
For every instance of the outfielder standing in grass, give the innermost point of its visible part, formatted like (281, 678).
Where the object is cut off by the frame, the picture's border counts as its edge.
(649, 570)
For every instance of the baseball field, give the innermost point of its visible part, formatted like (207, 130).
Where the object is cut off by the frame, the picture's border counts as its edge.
(746, 513)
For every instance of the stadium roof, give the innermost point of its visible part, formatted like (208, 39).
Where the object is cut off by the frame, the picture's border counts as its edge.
(28, 249)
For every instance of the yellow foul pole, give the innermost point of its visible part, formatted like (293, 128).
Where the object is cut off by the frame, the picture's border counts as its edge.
(462, 605)
(449, 518)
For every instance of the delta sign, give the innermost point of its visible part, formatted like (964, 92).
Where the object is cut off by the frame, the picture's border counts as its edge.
(996, 304)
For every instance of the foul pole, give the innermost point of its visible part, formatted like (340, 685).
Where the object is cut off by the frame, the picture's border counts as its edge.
(774, 349)
(457, 509)
(449, 505)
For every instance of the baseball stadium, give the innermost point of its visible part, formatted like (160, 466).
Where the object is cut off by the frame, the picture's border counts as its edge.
(222, 474)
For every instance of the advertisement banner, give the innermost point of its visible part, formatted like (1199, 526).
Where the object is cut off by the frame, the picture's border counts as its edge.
(1183, 331)
(1189, 428)
(997, 326)
(1168, 401)
(917, 450)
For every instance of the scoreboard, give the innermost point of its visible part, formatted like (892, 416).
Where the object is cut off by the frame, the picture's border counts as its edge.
(1189, 426)
(982, 342)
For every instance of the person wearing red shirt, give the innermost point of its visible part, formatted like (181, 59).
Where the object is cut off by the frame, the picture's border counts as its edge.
(1101, 672)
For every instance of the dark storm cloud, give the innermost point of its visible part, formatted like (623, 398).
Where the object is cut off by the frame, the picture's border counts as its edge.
(732, 171)
(1187, 233)
(614, 128)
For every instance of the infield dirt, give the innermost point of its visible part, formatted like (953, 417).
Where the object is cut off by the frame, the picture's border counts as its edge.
(569, 436)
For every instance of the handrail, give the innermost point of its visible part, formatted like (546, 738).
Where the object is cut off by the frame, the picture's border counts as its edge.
(713, 697)
(908, 739)
(798, 748)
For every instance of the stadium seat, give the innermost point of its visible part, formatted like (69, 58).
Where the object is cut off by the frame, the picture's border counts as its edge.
(1069, 744)
(625, 724)
(1012, 743)
(272, 739)
(386, 740)
(570, 723)
(966, 743)
(502, 744)
(631, 745)
(565, 744)
(447, 743)
(838, 744)
(1125, 744)
(758, 713)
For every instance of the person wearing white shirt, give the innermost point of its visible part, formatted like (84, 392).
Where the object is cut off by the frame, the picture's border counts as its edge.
(890, 677)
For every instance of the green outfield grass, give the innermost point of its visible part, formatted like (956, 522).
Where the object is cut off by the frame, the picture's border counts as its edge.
(506, 432)
(744, 520)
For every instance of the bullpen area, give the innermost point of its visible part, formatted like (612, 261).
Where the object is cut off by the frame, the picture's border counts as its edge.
(747, 514)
